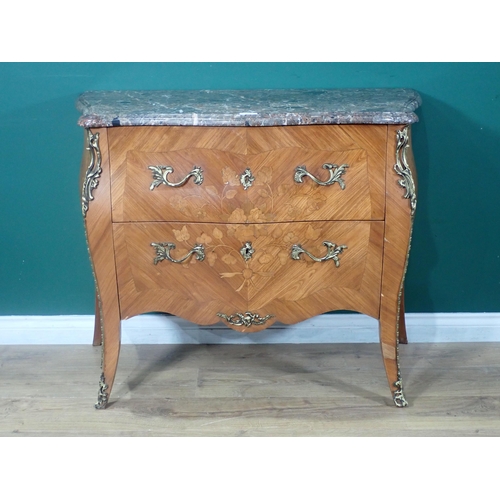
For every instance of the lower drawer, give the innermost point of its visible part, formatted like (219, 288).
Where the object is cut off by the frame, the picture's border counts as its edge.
(283, 272)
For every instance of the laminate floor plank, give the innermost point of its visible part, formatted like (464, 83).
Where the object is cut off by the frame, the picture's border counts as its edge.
(251, 390)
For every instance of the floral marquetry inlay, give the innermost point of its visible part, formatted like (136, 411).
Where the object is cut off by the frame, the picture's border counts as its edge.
(210, 207)
(236, 204)
(302, 202)
(269, 192)
(269, 251)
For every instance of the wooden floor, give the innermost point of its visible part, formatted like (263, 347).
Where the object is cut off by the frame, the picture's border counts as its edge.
(251, 390)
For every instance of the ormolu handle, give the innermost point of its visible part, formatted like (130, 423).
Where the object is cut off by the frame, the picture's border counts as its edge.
(333, 251)
(163, 252)
(160, 173)
(336, 172)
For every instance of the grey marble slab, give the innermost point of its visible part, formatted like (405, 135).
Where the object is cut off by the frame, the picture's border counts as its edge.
(251, 108)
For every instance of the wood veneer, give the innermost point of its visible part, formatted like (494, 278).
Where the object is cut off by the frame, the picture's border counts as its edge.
(371, 217)
(224, 153)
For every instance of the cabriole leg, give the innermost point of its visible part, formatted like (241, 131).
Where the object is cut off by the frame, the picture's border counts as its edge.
(401, 203)
(96, 210)
(110, 354)
(389, 323)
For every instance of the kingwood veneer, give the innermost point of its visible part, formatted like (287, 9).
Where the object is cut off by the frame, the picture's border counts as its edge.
(248, 223)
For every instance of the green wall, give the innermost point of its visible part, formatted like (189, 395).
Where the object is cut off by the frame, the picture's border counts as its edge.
(455, 260)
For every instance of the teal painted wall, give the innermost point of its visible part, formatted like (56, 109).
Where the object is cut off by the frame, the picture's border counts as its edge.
(455, 260)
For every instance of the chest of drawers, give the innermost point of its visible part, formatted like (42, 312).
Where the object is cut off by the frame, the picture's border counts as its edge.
(248, 207)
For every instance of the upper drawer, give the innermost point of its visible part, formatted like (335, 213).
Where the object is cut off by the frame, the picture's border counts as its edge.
(257, 174)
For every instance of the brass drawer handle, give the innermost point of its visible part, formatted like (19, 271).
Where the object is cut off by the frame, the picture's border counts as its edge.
(333, 251)
(163, 252)
(245, 319)
(336, 172)
(160, 173)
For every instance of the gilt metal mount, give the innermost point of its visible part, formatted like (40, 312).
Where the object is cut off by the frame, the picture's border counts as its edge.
(94, 170)
(247, 251)
(102, 395)
(336, 172)
(163, 252)
(160, 174)
(403, 169)
(332, 252)
(399, 397)
(245, 319)
(247, 179)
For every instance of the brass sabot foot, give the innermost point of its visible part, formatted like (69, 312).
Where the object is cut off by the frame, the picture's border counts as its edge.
(102, 395)
(398, 396)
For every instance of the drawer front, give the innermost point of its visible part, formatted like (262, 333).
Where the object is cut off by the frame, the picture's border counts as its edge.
(212, 272)
(138, 191)
(292, 165)
(266, 174)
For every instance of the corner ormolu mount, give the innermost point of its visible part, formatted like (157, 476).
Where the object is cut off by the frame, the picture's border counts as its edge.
(94, 170)
(403, 169)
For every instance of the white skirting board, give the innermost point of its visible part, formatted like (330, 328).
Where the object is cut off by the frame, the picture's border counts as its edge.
(327, 328)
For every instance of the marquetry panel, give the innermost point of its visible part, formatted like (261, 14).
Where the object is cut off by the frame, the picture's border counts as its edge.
(194, 289)
(270, 281)
(158, 140)
(303, 288)
(274, 195)
(362, 147)
(214, 200)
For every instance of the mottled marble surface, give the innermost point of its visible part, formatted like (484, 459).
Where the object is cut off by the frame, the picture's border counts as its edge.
(251, 108)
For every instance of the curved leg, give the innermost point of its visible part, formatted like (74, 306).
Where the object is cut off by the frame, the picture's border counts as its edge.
(389, 322)
(400, 209)
(96, 209)
(110, 348)
(97, 324)
(403, 339)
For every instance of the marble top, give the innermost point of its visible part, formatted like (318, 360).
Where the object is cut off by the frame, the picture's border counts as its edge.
(251, 108)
